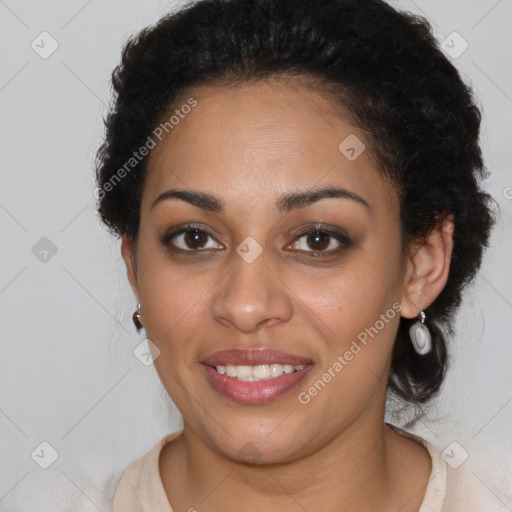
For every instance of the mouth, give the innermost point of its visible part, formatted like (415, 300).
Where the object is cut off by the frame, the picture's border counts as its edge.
(255, 376)
(259, 372)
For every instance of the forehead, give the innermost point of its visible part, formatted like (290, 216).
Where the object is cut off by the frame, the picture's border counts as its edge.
(255, 141)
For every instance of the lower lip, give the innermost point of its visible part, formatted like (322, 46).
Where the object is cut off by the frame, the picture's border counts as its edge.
(255, 392)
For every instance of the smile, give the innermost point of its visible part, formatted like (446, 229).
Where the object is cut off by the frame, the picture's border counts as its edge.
(259, 372)
(255, 376)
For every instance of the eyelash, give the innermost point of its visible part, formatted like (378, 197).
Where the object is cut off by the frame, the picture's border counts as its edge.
(340, 236)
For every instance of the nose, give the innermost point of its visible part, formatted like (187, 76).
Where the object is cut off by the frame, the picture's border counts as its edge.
(251, 295)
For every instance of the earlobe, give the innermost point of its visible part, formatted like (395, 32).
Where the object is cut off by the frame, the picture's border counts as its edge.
(128, 252)
(428, 266)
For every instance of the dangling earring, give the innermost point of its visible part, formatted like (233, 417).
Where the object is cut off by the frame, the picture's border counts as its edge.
(137, 318)
(420, 335)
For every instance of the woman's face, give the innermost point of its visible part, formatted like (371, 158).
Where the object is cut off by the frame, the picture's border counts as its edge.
(252, 281)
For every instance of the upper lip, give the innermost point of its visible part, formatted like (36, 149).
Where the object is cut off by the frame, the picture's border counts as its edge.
(252, 357)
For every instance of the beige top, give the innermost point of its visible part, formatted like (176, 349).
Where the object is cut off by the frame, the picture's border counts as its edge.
(140, 488)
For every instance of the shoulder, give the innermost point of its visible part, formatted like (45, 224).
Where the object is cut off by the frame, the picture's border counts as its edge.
(140, 487)
(469, 489)
(455, 484)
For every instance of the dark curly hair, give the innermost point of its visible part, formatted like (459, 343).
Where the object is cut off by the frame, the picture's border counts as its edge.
(380, 66)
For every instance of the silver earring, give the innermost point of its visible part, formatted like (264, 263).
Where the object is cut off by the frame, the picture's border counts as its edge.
(137, 318)
(420, 335)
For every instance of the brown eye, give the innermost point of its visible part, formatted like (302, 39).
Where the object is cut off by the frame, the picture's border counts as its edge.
(321, 242)
(318, 241)
(195, 239)
(189, 240)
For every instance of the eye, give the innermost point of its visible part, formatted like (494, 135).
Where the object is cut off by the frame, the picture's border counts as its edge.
(188, 239)
(316, 241)
(321, 241)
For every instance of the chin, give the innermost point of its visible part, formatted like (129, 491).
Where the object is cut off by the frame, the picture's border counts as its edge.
(261, 441)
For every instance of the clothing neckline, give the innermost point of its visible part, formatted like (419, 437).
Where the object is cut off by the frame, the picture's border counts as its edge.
(154, 488)
(436, 487)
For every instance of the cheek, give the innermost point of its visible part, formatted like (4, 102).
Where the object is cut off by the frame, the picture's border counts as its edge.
(359, 309)
(173, 299)
(352, 296)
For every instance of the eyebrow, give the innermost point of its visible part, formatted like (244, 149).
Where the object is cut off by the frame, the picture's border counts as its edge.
(285, 202)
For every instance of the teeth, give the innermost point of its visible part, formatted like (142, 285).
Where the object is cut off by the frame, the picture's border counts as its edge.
(243, 372)
(231, 371)
(258, 372)
(276, 370)
(262, 371)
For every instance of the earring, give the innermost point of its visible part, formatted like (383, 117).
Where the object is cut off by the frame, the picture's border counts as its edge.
(420, 335)
(137, 318)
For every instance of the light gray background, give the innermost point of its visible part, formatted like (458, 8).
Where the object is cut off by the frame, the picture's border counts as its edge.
(68, 375)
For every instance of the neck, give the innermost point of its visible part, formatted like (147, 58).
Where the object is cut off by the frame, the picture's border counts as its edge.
(357, 470)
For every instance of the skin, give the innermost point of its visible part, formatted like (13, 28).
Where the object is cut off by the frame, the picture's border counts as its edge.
(247, 145)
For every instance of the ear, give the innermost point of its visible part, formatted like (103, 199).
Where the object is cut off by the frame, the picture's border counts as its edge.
(427, 268)
(128, 251)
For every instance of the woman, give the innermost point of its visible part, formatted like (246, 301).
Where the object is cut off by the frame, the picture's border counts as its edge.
(296, 185)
